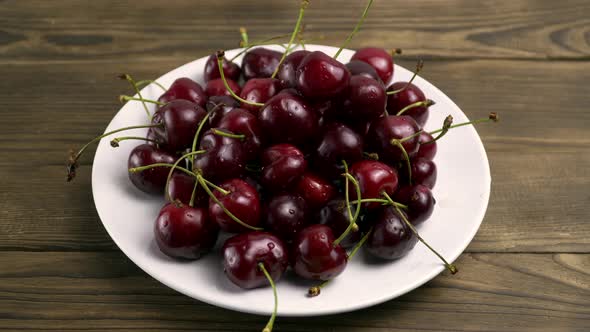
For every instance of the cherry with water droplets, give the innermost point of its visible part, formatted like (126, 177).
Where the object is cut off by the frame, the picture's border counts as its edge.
(365, 99)
(334, 214)
(181, 186)
(419, 200)
(242, 201)
(242, 122)
(360, 68)
(377, 58)
(288, 69)
(180, 119)
(390, 238)
(282, 165)
(374, 178)
(224, 157)
(216, 87)
(392, 127)
(286, 215)
(186, 89)
(152, 180)
(315, 190)
(230, 69)
(319, 76)
(260, 62)
(315, 256)
(258, 90)
(338, 143)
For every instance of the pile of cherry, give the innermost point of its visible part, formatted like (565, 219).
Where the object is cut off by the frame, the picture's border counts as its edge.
(299, 155)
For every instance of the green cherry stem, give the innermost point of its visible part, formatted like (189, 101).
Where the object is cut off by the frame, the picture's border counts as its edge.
(147, 82)
(150, 166)
(302, 8)
(419, 67)
(492, 117)
(353, 219)
(399, 144)
(216, 187)
(174, 166)
(200, 128)
(382, 201)
(422, 103)
(271, 321)
(346, 195)
(218, 202)
(115, 141)
(227, 134)
(220, 54)
(125, 98)
(244, 34)
(73, 158)
(444, 130)
(452, 268)
(259, 43)
(191, 203)
(131, 81)
(355, 30)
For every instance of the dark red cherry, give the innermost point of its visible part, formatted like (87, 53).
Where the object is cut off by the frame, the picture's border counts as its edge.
(230, 70)
(374, 178)
(319, 76)
(316, 191)
(181, 118)
(152, 180)
(424, 172)
(181, 187)
(185, 232)
(379, 59)
(242, 201)
(258, 90)
(338, 143)
(419, 200)
(287, 118)
(260, 63)
(426, 151)
(186, 89)
(384, 129)
(243, 252)
(217, 88)
(410, 95)
(315, 256)
(225, 157)
(155, 140)
(282, 165)
(240, 121)
(335, 215)
(288, 68)
(286, 215)
(219, 106)
(360, 68)
(365, 100)
(391, 238)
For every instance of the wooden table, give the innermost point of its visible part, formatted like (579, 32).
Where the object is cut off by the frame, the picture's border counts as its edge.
(527, 269)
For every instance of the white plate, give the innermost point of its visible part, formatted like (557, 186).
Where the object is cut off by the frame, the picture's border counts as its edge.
(462, 193)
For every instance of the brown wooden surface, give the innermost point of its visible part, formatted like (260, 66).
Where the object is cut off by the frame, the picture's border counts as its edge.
(527, 269)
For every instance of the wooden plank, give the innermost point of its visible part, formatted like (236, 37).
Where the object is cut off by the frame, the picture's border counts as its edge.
(104, 291)
(40, 30)
(538, 153)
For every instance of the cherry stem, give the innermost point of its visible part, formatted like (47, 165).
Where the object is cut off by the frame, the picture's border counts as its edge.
(399, 144)
(150, 166)
(452, 268)
(131, 81)
(355, 30)
(220, 54)
(227, 134)
(492, 117)
(419, 67)
(73, 158)
(260, 43)
(194, 193)
(407, 138)
(444, 130)
(147, 82)
(271, 321)
(199, 129)
(244, 35)
(422, 103)
(216, 187)
(382, 201)
(353, 219)
(115, 141)
(346, 194)
(124, 98)
(174, 166)
(302, 8)
(216, 200)
(371, 155)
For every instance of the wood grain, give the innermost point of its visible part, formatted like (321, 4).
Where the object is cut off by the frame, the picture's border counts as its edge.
(524, 29)
(105, 291)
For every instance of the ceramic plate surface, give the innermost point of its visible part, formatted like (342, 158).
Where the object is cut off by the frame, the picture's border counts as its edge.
(462, 192)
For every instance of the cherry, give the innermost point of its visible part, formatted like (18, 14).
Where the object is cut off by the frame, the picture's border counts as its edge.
(424, 172)
(393, 127)
(181, 186)
(315, 256)
(216, 87)
(153, 139)
(180, 119)
(243, 252)
(151, 180)
(390, 238)
(225, 157)
(360, 68)
(320, 76)
(231, 70)
(334, 214)
(218, 107)
(338, 143)
(240, 121)
(258, 90)
(410, 95)
(286, 215)
(315, 190)
(374, 179)
(365, 100)
(427, 147)
(287, 70)
(183, 231)
(282, 165)
(242, 201)
(419, 200)
(379, 59)
(186, 89)
(260, 62)
(287, 118)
